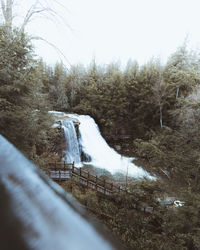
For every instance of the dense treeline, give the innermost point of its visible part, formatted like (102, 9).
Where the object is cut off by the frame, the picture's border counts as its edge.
(156, 104)
(138, 98)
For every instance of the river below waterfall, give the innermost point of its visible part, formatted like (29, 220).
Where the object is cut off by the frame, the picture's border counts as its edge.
(94, 146)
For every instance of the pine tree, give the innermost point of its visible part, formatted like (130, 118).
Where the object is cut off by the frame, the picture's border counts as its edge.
(19, 90)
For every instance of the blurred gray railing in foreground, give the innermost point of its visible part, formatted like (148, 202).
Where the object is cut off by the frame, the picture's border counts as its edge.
(35, 213)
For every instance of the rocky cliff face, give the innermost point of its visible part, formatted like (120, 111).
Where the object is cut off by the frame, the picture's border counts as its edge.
(56, 146)
(59, 143)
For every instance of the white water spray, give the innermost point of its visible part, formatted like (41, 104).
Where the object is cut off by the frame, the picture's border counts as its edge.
(102, 156)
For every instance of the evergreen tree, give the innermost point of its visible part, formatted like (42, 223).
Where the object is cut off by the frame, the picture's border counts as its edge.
(19, 91)
(57, 91)
(182, 71)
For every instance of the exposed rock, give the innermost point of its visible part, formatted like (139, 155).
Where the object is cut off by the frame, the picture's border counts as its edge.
(117, 147)
(59, 143)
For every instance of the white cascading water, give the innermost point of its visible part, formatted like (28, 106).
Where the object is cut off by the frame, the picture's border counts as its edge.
(102, 156)
(72, 153)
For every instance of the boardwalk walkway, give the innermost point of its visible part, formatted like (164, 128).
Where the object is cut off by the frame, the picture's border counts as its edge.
(60, 171)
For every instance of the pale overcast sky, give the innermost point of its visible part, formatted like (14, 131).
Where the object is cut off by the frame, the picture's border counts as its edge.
(111, 30)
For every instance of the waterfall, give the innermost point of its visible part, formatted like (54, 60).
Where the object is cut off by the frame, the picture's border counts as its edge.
(95, 149)
(101, 154)
(72, 153)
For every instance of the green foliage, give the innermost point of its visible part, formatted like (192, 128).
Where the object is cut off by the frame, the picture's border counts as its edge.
(57, 91)
(182, 71)
(140, 98)
(20, 92)
(167, 227)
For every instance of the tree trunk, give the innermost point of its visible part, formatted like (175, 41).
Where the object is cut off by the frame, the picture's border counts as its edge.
(7, 12)
(177, 92)
(161, 120)
(196, 180)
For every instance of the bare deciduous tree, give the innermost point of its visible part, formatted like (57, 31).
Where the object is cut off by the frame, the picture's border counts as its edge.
(7, 12)
(160, 92)
(188, 115)
(38, 7)
(45, 9)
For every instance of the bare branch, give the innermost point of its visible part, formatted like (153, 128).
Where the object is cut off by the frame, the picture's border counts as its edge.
(30, 14)
(7, 8)
(55, 47)
(47, 12)
(40, 8)
(3, 7)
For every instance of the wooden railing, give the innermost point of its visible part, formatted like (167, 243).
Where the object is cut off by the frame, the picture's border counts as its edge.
(60, 171)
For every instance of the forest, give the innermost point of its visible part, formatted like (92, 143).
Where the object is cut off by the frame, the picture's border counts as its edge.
(157, 105)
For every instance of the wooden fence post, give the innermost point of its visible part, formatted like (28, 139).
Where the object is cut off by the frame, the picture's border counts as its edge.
(59, 175)
(88, 178)
(111, 187)
(96, 181)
